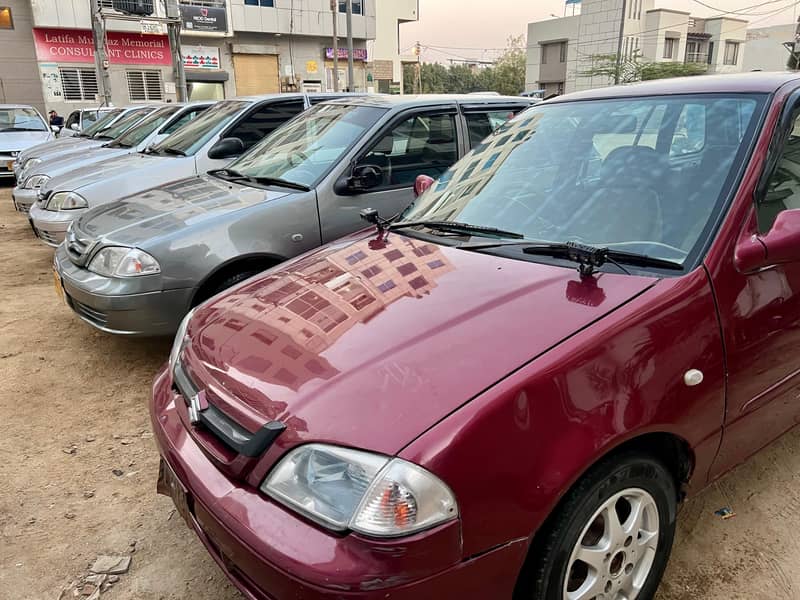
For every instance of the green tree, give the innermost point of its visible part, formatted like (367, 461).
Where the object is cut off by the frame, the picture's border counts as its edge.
(635, 69)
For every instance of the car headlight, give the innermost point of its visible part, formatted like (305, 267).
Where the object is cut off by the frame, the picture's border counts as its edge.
(372, 494)
(66, 201)
(180, 341)
(31, 162)
(118, 261)
(34, 182)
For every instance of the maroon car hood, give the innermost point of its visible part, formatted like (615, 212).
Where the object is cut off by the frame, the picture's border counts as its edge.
(369, 346)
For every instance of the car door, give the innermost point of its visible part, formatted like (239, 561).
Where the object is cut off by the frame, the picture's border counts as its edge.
(420, 141)
(252, 127)
(760, 314)
(73, 119)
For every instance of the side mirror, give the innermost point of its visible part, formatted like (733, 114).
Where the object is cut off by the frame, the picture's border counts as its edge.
(55, 128)
(364, 177)
(226, 148)
(75, 127)
(422, 183)
(779, 245)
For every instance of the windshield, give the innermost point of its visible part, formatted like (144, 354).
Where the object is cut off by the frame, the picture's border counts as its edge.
(106, 118)
(137, 134)
(303, 150)
(195, 134)
(644, 175)
(21, 119)
(124, 124)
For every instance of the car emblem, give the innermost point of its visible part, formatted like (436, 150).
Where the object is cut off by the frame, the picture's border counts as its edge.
(197, 404)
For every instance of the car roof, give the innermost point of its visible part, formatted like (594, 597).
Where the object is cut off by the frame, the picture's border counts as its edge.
(393, 101)
(753, 82)
(17, 106)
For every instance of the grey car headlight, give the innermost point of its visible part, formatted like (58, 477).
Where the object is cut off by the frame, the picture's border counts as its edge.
(30, 163)
(66, 201)
(376, 495)
(34, 182)
(119, 261)
(180, 341)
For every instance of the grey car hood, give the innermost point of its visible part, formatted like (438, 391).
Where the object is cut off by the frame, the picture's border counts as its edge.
(170, 208)
(77, 158)
(16, 141)
(51, 151)
(38, 149)
(117, 178)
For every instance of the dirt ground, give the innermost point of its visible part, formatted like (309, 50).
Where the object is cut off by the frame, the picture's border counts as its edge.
(73, 416)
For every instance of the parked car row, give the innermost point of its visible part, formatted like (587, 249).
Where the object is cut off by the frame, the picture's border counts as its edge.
(552, 329)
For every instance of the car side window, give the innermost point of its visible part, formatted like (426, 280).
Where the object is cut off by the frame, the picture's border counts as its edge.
(263, 121)
(189, 115)
(421, 144)
(73, 118)
(783, 187)
(481, 124)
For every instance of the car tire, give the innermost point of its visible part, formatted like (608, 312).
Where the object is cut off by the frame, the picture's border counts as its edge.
(628, 559)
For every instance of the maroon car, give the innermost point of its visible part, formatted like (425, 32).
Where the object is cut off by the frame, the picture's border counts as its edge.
(506, 391)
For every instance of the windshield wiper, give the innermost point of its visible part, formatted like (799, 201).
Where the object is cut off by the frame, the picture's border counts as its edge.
(233, 175)
(589, 258)
(118, 144)
(230, 175)
(456, 227)
(102, 137)
(173, 151)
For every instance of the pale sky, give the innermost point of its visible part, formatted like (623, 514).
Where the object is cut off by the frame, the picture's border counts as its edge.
(474, 29)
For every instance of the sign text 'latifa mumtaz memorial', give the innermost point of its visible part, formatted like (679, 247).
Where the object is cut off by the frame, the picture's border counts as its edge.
(123, 48)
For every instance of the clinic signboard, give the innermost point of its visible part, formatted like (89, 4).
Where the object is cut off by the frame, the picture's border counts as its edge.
(358, 54)
(203, 19)
(123, 48)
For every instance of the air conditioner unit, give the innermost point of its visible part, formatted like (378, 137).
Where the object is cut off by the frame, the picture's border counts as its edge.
(134, 7)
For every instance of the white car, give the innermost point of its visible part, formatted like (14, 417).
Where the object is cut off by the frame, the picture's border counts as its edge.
(20, 128)
(157, 126)
(80, 120)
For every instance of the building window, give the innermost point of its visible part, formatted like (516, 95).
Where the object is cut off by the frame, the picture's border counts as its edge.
(563, 55)
(669, 47)
(262, 3)
(710, 52)
(358, 7)
(78, 84)
(731, 53)
(6, 22)
(144, 86)
(544, 55)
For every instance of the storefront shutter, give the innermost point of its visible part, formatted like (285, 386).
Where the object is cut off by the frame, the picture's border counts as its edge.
(144, 86)
(256, 74)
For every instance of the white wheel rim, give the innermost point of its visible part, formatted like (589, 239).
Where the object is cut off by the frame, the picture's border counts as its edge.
(616, 549)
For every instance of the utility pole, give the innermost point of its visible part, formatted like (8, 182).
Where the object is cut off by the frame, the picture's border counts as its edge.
(418, 77)
(100, 57)
(350, 83)
(619, 44)
(335, 11)
(174, 35)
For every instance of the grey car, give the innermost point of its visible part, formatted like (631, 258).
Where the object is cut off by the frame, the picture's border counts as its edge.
(136, 266)
(20, 128)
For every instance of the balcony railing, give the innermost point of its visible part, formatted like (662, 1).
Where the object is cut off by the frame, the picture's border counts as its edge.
(697, 57)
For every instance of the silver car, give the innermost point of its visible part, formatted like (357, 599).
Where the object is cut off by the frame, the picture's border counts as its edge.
(20, 128)
(136, 266)
(24, 197)
(81, 119)
(209, 142)
(49, 222)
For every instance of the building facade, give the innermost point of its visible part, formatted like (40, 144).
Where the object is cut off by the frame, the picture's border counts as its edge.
(387, 59)
(765, 47)
(229, 48)
(563, 51)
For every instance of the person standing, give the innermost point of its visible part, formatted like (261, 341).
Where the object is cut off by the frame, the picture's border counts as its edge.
(56, 119)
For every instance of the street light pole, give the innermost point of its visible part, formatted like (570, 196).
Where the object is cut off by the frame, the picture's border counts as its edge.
(350, 84)
(335, 11)
(174, 35)
(100, 57)
(619, 44)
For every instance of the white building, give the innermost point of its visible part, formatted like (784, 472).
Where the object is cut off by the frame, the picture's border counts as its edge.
(385, 52)
(561, 51)
(765, 49)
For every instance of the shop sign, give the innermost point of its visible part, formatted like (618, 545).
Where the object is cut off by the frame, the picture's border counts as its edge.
(312, 67)
(358, 54)
(200, 57)
(205, 19)
(51, 82)
(122, 47)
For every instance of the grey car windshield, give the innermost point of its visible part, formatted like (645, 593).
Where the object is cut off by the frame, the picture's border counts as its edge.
(20, 119)
(195, 134)
(136, 135)
(101, 123)
(306, 148)
(641, 175)
(124, 124)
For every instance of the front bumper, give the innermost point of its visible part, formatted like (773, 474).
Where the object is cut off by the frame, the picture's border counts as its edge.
(51, 226)
(24, 199)
(121, 306)
(270, 553)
